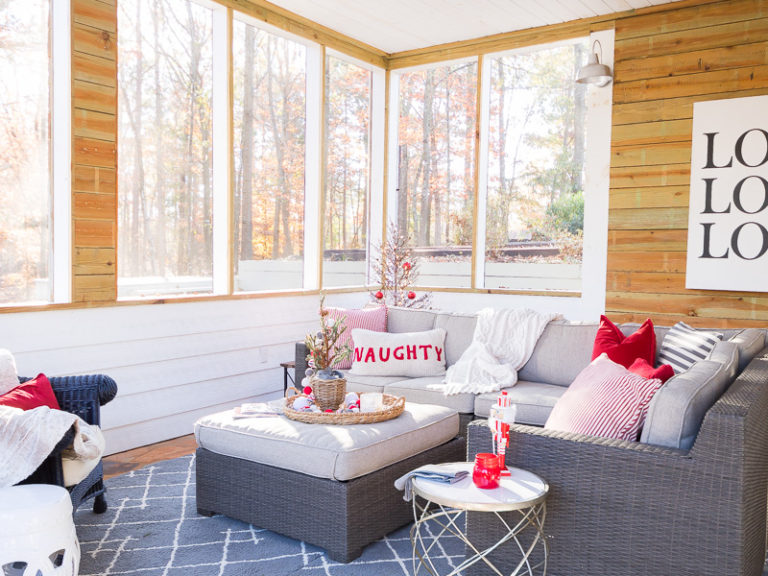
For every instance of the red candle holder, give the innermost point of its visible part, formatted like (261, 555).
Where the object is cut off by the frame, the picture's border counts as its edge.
(486, 471)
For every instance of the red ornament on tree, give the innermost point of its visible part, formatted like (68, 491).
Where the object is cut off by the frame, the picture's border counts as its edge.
(411, 295)
(406, 265)
(379, 295)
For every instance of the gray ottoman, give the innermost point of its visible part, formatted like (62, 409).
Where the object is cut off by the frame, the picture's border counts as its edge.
(331, 486)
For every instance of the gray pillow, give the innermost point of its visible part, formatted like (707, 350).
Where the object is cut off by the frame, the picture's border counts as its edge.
(563, 350)
(409, 320)
(749, 342)
(678, 408)
(459, 333)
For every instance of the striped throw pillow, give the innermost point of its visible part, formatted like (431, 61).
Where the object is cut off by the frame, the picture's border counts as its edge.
(683, 346)
(374, 318)
(605, 400)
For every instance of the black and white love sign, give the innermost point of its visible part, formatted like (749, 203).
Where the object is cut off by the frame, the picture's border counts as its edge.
(728, 208)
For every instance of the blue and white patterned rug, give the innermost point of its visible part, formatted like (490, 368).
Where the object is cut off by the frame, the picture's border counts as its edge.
(152, 529)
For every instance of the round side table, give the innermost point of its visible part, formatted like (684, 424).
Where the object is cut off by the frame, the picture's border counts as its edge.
(37, 534)
(523, 492)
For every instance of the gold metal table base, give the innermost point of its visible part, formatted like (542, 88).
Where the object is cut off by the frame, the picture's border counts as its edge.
(449, 519)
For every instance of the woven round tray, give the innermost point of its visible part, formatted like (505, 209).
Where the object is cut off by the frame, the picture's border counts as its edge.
(393, 407)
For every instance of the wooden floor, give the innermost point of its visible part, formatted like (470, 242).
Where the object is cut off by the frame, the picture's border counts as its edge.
(123, 462)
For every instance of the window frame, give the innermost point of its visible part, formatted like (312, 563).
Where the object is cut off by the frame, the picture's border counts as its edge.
(596, 177)
(391, 201)
(219, 33)
(384, 128)
(481, 238)
(61, 151)
(315, 69)
(60, 160)
(376, 136)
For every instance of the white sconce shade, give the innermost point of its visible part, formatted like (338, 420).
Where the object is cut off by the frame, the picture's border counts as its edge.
(594, 72)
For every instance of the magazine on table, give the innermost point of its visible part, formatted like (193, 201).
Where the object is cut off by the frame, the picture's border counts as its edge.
(258, 409)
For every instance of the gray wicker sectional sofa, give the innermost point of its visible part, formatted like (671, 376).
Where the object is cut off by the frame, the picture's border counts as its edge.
(688, 499)
(630, 508)
(563, 350)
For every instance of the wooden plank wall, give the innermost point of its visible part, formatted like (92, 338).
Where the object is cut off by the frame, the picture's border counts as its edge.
(94, 150)
(663, 64)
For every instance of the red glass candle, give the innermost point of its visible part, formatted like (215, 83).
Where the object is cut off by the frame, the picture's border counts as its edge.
(486, 472)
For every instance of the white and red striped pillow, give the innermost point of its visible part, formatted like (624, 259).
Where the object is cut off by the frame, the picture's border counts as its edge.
(374, 318)
(604, 400)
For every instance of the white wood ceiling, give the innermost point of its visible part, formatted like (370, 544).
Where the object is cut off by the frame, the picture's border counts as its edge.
(400, 25)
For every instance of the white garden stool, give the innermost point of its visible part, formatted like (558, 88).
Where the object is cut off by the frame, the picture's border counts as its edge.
(37, 534)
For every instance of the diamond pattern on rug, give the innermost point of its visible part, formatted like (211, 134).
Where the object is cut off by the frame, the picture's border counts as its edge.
(152, 528)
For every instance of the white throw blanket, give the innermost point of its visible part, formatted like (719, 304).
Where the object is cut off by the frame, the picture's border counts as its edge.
(27, 439)
(502, 343)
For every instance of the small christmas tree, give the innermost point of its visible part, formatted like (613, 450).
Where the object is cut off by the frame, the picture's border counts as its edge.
(397, 268)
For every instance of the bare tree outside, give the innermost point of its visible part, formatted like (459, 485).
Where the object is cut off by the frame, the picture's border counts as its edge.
(164, 148)
(537, 137)
(347, 172)
(437, 164)
(269, 115)
(25, 180)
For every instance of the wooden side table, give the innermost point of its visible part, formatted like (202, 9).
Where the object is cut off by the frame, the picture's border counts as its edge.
(286, 375)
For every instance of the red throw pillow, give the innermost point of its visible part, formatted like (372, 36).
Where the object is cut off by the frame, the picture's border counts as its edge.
(605, 400)
(642, 368)
(31, 394)
(374, 319)
(622, 349)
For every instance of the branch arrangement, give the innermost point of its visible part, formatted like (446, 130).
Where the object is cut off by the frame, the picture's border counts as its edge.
(324, 350)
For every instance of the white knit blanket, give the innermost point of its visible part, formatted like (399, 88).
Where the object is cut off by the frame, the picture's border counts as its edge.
(27, 438)
(502, 343)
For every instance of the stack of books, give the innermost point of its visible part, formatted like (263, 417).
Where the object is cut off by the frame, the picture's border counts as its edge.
(258, 410)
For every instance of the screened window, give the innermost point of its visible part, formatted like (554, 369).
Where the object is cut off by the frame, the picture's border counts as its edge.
(165, 148)
(269, 116)
(536, 166)
(347, 172)
(25, 152)
(436, 169)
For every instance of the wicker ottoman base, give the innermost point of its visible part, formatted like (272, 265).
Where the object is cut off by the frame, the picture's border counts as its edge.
(343, 516)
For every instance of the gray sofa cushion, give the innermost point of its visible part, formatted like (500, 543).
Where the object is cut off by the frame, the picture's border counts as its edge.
(429, 390)
(358, 383)
(534, 401)
(409, 320)
(564, 349)
(749, 342)
(726, 353)
(459, 331)
(335, 452)
(678, 408)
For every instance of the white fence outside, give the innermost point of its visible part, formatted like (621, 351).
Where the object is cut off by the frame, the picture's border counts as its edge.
(260, 275)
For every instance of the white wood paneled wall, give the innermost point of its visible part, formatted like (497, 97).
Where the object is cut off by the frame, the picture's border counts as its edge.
(174, 362)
